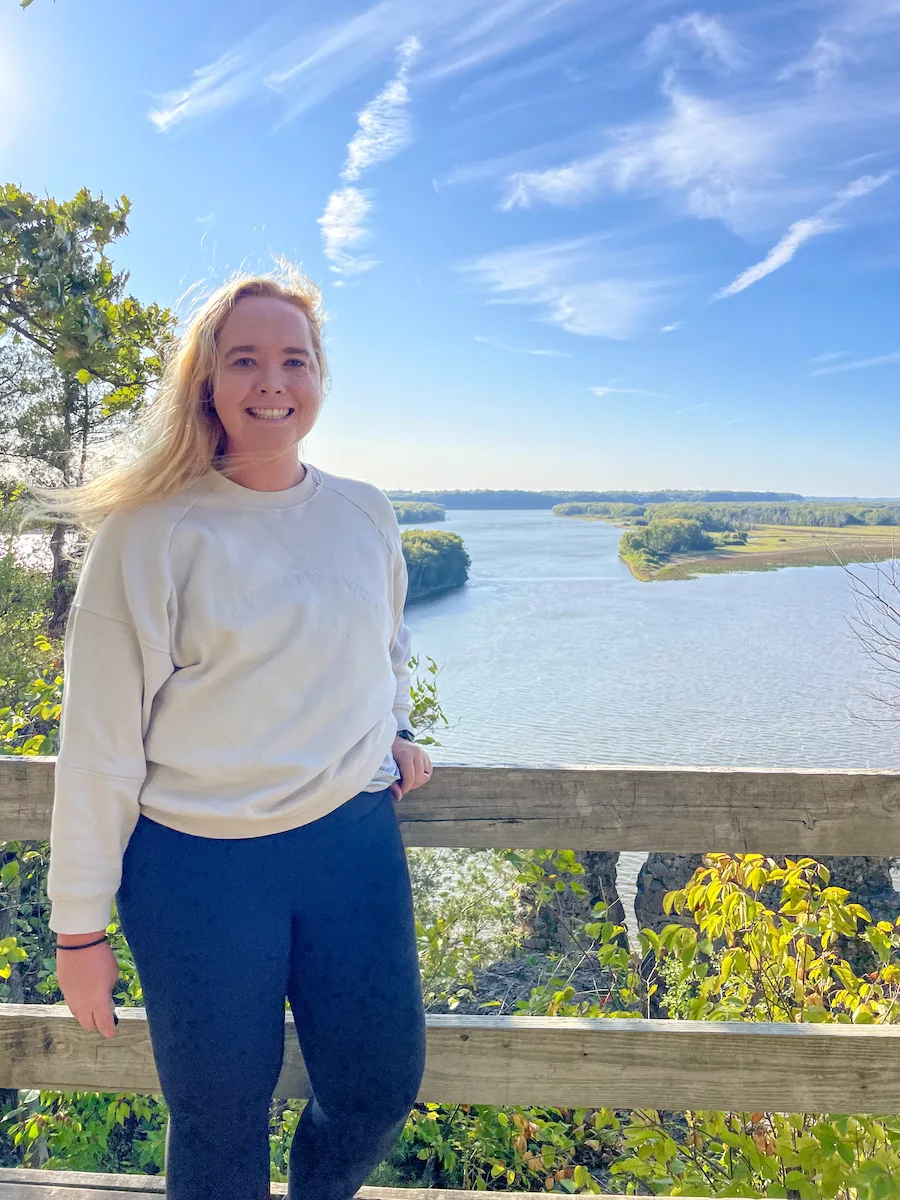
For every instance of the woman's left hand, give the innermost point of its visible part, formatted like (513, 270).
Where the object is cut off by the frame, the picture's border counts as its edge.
(414, 765)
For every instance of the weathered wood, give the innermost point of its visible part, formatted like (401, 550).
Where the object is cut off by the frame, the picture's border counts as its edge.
(83, 1179)
(669, 809)
(18, 1191)
(78, 1185)
(560, 1061)
(26, 797)
(31, 1191)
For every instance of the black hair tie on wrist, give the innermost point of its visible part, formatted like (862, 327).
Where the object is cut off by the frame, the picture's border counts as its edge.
(83, 946)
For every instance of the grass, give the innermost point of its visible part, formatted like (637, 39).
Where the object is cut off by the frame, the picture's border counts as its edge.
(774, 546)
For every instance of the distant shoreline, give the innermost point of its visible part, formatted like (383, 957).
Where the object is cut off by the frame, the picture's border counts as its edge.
(773, 547)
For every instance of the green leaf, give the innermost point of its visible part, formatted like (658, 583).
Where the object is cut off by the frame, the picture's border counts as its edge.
(84, 376)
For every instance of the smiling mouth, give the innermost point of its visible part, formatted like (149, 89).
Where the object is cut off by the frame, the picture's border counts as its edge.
(270, 414)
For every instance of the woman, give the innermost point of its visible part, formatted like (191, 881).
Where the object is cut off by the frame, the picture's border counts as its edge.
(235, 724)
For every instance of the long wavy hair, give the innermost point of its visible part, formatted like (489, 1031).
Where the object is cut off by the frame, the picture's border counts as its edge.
(179, 432)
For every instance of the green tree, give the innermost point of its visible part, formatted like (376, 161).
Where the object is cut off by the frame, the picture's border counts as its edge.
(95, 349)
(435, 560)
(409, 512)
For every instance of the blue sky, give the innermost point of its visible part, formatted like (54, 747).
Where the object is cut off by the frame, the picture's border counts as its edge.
(563, 243)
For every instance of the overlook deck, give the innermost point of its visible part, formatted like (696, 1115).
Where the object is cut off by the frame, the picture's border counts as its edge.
(555, 1061)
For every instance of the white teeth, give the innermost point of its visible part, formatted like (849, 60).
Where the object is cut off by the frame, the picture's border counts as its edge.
(269, 414)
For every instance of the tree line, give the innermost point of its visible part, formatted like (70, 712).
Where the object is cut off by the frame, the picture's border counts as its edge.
(485, 498)
(723, 518)
(410, 511)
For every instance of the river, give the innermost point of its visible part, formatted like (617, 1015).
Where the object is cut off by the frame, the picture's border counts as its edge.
(553, 654)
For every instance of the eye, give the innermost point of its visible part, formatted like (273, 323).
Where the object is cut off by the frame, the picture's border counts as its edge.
(243, 362)
(296, 362)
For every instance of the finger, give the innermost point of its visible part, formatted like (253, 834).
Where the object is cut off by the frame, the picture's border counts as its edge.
(105, 1020)
(420, 779)
(85, 1020)
(423, 773)
(410, 776)
(396, 791)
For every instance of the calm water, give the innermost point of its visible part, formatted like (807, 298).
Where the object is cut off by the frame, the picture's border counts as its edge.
(554, 654)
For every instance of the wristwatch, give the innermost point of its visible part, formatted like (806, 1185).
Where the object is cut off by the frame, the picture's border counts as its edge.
(406, 734)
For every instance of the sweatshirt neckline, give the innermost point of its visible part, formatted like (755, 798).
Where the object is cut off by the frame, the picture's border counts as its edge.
(226, 492)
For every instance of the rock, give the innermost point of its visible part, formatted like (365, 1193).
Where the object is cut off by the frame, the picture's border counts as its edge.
(550, 928)
(662, 873)
(514, 980)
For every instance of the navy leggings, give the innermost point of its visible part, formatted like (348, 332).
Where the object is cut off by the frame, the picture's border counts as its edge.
(222, 930)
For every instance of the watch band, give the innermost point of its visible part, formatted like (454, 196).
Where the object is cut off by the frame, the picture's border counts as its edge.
(406, 734)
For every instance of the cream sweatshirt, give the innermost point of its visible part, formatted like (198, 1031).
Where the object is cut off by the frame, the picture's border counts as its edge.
(235, 665)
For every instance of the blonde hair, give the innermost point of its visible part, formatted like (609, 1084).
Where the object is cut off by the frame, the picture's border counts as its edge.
(180, 432)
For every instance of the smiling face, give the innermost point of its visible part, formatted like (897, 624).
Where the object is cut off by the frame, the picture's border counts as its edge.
(267, 389)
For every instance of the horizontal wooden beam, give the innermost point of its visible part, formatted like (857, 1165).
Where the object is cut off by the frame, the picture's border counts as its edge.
(559, 1061)
(17, 1184)
(668, 809)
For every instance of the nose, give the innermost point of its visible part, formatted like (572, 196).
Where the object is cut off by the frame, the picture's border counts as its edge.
(271, 381)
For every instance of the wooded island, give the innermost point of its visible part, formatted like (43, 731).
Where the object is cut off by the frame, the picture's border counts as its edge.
(681, 541)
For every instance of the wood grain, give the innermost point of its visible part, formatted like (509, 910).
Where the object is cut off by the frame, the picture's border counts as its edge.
(668, 809)
(77, 1185)
(559, 1061)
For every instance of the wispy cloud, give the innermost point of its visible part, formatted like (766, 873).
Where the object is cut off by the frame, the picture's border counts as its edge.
(480, 34)
(800, 232)
(700, 150)
(698, 32)
(830, 356)
(344, 230)
(743, 148)
(690, 408)
(384, 127)
(212, 88)
(608, 391)
(822, 61)
(673, 328)
(880, 360)
(486, 341)
(735, 421)
(573, 285)
(301, 70)
(383, 130)
(856, 30)
(824, 221)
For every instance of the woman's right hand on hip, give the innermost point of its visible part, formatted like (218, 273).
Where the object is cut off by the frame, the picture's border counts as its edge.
(86, 980)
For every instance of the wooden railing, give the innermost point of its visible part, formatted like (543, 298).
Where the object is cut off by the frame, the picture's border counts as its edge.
(561, 1061)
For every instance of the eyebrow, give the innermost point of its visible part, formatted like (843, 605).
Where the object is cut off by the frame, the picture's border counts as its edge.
(253, 349)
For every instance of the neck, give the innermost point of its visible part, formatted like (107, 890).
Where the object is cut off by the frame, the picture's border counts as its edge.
(273, 476)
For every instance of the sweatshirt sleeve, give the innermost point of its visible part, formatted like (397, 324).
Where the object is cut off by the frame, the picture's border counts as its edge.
(116, 657)
(401, 639)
